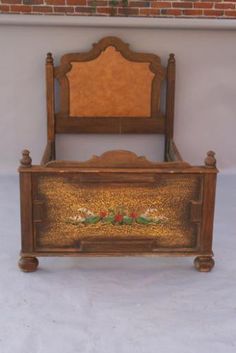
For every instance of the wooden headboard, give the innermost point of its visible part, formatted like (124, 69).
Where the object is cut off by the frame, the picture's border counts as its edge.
(110, 89)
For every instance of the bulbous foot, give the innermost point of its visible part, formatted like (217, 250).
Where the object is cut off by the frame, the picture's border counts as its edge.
(28, 264)
(204, 263)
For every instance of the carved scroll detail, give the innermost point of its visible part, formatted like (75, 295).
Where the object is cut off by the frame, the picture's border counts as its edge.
(116, 159)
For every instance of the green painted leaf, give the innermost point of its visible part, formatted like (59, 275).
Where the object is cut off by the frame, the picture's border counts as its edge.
(142, 220)
(109, 219)
(127, 220)
(92, 220)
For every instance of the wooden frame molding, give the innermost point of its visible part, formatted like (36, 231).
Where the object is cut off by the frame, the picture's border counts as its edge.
(64, 123)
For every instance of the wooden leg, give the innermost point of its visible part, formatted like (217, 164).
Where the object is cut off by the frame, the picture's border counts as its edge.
(204, 263)
(28, 264)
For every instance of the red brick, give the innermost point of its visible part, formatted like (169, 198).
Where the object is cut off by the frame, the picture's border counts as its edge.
(173, 8)
(171, 12)
(149, 12)
(126, 11)
(193, 12)
(42, 9)
(215, 13)
(139, 4)
(32, 2)
(182, 4)
(118, 3)
(4, 8)
(63, 9)
(11, 2)
(55, 2)
(83, 10)
(161, 4)
(203, 5)
(21, 8)
(106, 10)
(225, 6)
(76, 2)
(97, 3)
(230, 13)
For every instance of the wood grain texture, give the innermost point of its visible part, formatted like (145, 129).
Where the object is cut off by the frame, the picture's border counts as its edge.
(109, 125)
(209, 188)
(170, 102)
(26, 212)
(50, 97)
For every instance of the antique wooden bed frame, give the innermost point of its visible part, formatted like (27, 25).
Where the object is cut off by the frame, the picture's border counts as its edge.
(118, 203)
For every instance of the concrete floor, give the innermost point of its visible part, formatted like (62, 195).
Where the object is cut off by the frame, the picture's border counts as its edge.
(118, 305)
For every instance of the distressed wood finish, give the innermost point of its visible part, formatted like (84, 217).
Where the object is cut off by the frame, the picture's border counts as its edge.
(115, 171)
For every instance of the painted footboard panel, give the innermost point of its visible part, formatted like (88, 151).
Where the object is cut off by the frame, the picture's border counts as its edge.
(117, 213)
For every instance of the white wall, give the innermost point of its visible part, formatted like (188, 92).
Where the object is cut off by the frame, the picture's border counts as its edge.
(205, 91)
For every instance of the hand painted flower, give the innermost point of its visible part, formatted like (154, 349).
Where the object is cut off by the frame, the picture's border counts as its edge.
(103, 214)
(118, 218)
(133, 215)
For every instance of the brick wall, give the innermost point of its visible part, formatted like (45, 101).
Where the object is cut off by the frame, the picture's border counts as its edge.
(150, 8)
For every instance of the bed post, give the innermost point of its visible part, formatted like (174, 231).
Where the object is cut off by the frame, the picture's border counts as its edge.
(50, 103)
(26, 263)
(205, 262)
(170, 103)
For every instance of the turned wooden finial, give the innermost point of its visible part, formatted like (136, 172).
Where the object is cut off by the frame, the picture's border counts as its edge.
(171, 58)
(210, 160)
(26, 160)
(49, 59)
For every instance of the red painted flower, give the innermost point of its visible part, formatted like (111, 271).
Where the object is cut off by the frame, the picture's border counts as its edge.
(133, 215)
(103, 214)
(118, 217)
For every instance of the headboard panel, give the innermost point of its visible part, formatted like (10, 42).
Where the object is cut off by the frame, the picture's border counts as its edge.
(109, 89)
(110, 86)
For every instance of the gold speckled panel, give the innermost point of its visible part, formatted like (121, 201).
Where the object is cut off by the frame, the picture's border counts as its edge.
(110, 86)
(76, 211)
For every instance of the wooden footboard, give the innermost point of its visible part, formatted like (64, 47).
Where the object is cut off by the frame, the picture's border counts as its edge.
(115, 211)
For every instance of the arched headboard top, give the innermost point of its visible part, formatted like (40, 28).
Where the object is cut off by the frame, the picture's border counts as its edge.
(110, 81)
(122, 47)
(110, 89)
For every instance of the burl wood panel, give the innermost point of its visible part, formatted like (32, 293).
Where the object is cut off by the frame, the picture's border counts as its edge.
(110, 86)
(71, 211)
